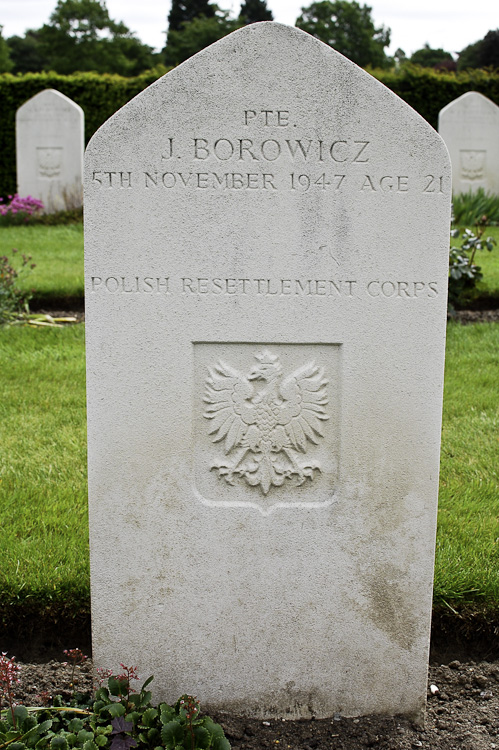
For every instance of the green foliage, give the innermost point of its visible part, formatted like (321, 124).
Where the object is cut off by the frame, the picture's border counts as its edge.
(197, 34)
(84, 19)
(349, 28)
(428, 90)
(25, 53)
(463, 278)
(58, 218)
(81, 36)
(481, 54)
(475, 208)
(253, 11)
(469, 56)
(118, 718)
(6, 63)
(431, 58)
(464, 274)
(489, 286)
(399, 57)
(184, 11)
(13, 300)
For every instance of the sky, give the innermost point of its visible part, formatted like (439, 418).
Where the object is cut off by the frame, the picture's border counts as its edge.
(450, 24)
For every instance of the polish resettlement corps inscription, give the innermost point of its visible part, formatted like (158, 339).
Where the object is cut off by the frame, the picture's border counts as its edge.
(265, 421)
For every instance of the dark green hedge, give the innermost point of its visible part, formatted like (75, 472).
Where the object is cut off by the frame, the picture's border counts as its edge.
(428, 90)
(101, 95)
(98, 95)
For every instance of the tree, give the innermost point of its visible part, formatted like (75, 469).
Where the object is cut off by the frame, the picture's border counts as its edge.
(468, 57)
(430, 58)
(489, 50)
(82, 36)
(197, 34)
(349, 28)
(481, 54)
(184, 11)
(399, 57)
(253, 11)
(5, 61)
(25, 53)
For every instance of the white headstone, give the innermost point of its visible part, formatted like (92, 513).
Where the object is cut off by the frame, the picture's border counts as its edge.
(267, 233)
(470, 128)
(49, 145)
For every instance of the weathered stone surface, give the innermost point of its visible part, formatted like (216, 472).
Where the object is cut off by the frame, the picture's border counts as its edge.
(49, 145)
(470, 128)
(266, 270)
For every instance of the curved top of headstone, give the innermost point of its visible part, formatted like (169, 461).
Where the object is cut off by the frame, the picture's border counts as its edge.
(49, 100)
(471, 100)
(274, 63)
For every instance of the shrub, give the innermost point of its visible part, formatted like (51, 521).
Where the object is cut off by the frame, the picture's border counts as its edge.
(471, 209)
(13, 301)
(116, 718)
(464, 274)
(428, 91)
(19, 210)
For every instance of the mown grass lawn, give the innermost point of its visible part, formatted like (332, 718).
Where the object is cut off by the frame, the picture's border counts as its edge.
(57, 252)
(43, 496)
(44, 541)
(467, 558)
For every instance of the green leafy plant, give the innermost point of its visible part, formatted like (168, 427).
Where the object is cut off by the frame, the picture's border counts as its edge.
(476, 208)
(13, 301)
(464, 274)
(9, 675)
(116, 718)
(76, 658)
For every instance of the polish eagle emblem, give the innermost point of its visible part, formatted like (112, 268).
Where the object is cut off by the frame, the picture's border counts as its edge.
(265, 420)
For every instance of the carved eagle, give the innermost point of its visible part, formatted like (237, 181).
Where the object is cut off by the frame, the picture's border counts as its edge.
(266, 420)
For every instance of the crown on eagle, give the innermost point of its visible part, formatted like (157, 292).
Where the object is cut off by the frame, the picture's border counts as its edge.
(266, 358)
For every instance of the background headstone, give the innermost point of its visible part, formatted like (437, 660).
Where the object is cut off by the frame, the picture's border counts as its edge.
(267, 233)
(470, 128)
(49, 146)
